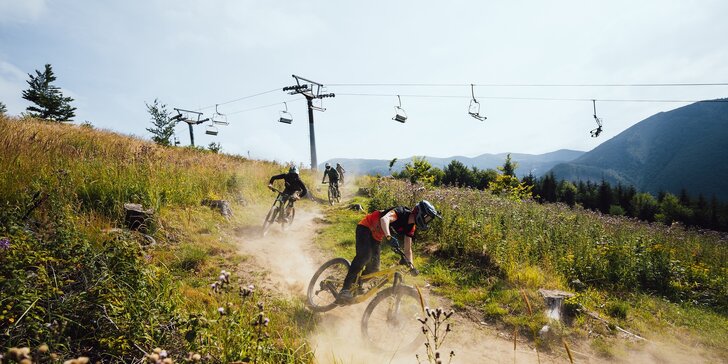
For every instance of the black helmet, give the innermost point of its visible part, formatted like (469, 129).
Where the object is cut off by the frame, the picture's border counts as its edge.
(425, 213)
(293, 170)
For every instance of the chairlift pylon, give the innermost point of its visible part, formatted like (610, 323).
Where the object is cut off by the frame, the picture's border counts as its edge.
(285, 117)
(218, 118)
(595, 132)
(399, 114)
(474, 108)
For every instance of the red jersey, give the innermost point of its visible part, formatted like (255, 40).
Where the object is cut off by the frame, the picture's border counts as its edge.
(400, 225)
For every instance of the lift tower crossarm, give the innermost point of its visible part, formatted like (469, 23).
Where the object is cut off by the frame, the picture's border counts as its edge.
(302, 87)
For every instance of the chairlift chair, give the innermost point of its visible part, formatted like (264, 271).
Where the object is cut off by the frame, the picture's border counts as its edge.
(399, 114)
(211, 129)
(218, 118)
(595, 132)
(285, 116)
(474, 108)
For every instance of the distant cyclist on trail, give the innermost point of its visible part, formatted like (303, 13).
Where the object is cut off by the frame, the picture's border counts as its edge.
(375, 228)
(294, 187)
(333, 176)
(341, 171)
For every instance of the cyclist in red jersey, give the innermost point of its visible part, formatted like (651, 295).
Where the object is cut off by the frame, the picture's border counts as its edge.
(376, 227)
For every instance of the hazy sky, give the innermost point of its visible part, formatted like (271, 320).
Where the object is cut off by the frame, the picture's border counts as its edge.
(113, 56)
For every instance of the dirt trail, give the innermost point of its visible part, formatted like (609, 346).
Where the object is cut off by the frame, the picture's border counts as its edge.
(286, 260)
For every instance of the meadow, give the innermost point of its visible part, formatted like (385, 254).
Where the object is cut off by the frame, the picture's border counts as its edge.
(74, 282)
(493, 253)
(73, 279)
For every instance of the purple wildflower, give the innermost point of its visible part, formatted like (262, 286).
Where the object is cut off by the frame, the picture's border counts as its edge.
(4, 243)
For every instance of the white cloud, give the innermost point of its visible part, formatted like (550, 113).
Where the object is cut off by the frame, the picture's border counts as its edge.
(22, 11)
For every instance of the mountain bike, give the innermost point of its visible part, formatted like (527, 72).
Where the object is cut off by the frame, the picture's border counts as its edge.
(282, 211)
(390, 320)
(334, 194)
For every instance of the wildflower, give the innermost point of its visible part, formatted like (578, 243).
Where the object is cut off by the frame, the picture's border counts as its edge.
(221, 310)
(153, 358)
(163, 354)
(196, 357)
(4, 243)
(43, 349)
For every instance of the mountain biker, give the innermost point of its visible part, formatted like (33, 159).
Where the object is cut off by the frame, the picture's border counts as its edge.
(341, 171)
(294, 187)
(374, 228)
(333, 176)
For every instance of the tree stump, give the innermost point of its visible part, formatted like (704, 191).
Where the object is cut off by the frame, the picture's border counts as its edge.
(221, 206)
(136, 218)
(554, 302)
(356, 207)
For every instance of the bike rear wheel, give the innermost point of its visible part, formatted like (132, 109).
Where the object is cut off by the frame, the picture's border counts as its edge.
(390, 320)
(326, 284)
(338, 195)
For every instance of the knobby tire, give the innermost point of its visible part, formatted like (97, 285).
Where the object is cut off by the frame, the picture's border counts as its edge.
(333, 272)
(390, 320)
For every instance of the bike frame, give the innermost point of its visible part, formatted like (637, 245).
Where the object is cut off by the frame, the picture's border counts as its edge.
(392, 274)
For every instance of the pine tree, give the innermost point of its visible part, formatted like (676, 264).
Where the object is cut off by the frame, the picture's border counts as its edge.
(163, 129)
(51, 104)
(3, 108)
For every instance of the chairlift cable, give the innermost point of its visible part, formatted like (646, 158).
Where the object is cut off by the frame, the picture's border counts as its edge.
(690, 84)
(527, 98)
(264, 106)
(241, 98)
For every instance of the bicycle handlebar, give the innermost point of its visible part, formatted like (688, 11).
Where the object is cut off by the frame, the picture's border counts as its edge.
(399, 251)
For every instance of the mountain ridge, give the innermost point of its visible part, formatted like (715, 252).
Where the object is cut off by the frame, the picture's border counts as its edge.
(668, 151)
(539, 164)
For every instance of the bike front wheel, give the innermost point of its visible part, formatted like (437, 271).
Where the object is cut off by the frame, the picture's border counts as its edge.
(326, 284)
(270, 218)
(287, 222)
(390, 320)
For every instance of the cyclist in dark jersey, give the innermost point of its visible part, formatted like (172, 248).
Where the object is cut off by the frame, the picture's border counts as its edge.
(294, 187)
(332, 174)
(341, 171)
(375, 228)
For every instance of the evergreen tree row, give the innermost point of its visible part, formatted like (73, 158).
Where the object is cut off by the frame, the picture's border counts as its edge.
(618, 200)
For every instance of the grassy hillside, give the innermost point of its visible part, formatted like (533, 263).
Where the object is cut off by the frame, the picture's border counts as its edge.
(489, 253)
(71, 279)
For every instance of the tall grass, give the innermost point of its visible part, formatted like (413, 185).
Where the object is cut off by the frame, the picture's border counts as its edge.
(107, 169)
(68, 280)
(606, 252)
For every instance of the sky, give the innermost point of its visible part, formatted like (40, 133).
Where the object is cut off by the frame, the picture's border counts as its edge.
(536, 66)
